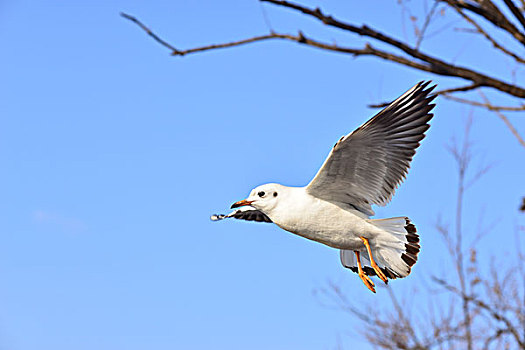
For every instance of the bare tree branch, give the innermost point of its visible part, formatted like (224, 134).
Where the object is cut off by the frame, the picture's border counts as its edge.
(481, 31)
(491, 13)
(177, 52)
(458, 89)
(147, 30)
(428, 19)
(499, 332)
(439, 92)
(483, 311)
(506, 121)
(488, 106)
(515, 11)
(446, 93)
(496, 315)
(427, 63)
(237, 43)
(463, 159)
(432, 64)
(403, 319)
(299, 38)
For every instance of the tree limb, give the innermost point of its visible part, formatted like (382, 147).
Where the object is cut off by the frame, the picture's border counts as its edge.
(496, 315)
(458, 89)
(488, 106)
(428, 64)
(515, 11)
(446, 94)
(499, 332)
(177, 52)
(491, 13)
(300, 38)
(417, 60)
(435, 65)
(487, 36)
(368, 50)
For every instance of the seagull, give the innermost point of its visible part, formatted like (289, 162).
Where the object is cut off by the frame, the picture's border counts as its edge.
(364, 168)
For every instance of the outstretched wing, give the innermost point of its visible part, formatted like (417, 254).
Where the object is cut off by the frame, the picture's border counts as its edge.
(245, 213)
(366, 166)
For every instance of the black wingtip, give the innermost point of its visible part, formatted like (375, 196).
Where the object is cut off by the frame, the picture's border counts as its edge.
(430, 89)
(424, 84)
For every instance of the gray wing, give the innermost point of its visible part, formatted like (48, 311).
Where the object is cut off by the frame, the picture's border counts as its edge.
(245, 213)
(366, 166)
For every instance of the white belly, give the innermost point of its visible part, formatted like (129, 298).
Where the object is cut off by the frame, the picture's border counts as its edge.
(327, 223)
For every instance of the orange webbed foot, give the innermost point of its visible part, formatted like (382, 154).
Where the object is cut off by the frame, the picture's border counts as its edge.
(376, 268)
(366, 280)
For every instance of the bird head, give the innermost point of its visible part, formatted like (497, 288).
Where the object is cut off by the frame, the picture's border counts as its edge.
(264, 198)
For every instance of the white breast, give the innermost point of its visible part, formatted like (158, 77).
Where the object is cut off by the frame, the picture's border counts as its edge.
(321, 221)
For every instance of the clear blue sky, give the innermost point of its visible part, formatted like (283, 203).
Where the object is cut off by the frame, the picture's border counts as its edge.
(114, 154)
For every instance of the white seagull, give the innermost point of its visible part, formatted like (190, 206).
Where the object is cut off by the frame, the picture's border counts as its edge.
(364, 168)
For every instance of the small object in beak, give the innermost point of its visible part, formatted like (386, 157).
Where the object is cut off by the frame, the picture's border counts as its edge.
(241, 204)
(217, 217)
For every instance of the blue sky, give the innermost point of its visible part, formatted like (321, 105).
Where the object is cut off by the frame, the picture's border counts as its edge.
(115, 154)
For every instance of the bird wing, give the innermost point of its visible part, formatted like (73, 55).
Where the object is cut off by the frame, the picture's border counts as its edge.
(244, 213)
(366, 166)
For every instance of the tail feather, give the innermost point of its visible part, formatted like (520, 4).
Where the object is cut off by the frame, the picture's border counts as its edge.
(395, 251)
(349, 261)
(412, 246)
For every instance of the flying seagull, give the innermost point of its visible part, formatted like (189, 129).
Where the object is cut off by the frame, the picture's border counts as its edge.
(364, 168)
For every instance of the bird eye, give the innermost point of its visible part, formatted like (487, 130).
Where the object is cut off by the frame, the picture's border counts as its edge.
(261, 194)
(275, 194)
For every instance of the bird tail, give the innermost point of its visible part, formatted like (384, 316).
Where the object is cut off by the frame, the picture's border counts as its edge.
(395, 252)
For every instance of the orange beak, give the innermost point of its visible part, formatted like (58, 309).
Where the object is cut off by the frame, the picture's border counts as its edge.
(241, 203)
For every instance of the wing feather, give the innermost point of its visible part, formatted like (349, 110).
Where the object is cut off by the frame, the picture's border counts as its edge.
(366, 166)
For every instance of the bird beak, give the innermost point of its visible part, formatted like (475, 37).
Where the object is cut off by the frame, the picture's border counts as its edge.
(241, 203)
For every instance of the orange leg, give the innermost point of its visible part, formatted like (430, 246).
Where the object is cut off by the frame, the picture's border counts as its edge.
(366, 280)
(376, 268)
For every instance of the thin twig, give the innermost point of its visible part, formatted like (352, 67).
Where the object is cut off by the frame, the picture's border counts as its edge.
(506, 121)
(237, 43)
(147, 30)
(440, 92)
(463, 158)
(177, 52)
(266, 18)
(490, 12)
(490, 107)
(458, 89)
(300, 38)
(481, 31)
(403, 318)
(494, 314)
(466, 30)
(499, 332)
(428, 18)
